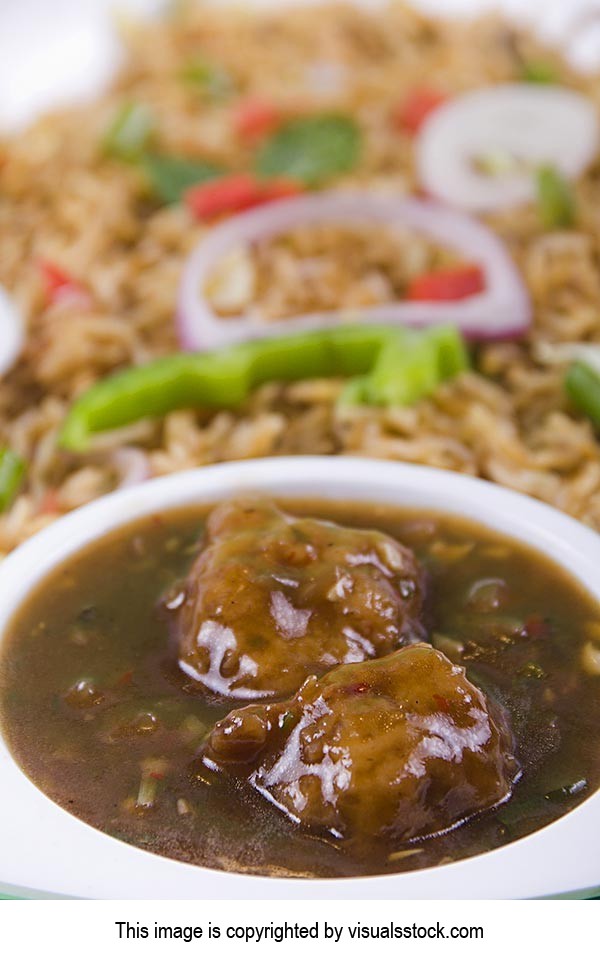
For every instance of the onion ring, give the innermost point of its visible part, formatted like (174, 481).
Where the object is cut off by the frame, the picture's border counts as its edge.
(503, 310)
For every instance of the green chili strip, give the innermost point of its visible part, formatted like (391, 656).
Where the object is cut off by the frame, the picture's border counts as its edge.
(582, 386)
(12, 469)
(394, 366)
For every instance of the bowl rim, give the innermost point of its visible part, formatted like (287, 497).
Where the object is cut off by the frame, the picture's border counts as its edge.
(561, 857)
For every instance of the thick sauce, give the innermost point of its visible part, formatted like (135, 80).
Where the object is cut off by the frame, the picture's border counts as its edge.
(97, 712)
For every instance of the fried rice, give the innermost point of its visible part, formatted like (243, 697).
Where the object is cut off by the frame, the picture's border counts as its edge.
(62, 200)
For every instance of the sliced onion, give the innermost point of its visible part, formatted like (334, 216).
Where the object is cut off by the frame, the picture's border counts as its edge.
(480, 151)
(12, 332)
(568, 352)
(132, 467)
(502, 310)
(327, 78)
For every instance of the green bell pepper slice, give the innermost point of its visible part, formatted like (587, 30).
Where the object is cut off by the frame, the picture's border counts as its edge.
(395, 366)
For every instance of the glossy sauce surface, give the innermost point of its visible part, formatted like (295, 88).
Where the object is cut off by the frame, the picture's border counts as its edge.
(97, 712)
(273, 598)
(400, 748)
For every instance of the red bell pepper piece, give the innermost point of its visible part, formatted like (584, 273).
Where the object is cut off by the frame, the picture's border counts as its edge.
(255, 118)
(49, 503)
(237, 192)
(450, 284)
(59, 286)
(412, 112)
(280, 188)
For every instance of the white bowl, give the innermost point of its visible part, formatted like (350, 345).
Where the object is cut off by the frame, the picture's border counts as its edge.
(45, 849)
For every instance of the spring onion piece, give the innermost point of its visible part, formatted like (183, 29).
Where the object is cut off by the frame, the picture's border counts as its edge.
(184, 807)
(208, 78)
(539, 72)
(130, 133)
(498, 163)
(12, 469)
(170, 177)
(502, 310)
(582, 386)
(535, 124)
(567, 351)
(511, 816)
(192, 729)
(147, 791)
(556, 203)
(311, 149)
(567, 791)
(12, 332)
(401, 854)
(395, 367)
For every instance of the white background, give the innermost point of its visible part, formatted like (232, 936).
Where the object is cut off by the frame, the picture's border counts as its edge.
(86, 931)
(52, 51)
